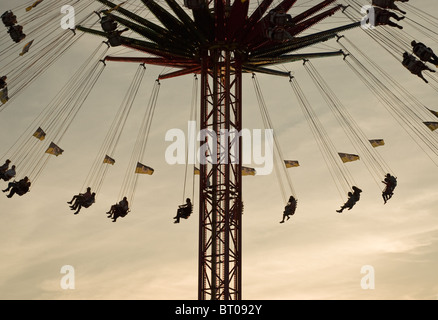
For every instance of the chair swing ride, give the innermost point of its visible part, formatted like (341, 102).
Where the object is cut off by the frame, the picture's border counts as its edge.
(218, 42)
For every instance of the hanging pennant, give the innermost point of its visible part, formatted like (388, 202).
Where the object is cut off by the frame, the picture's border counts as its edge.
(431, 125)
(248, 171)
(54, 149)
(109, 160)
(435, 113)
(377, 142)
(142, 169)
(26, 48)
(291, 163)
(348, 157)
(40, 134)
(33, 5)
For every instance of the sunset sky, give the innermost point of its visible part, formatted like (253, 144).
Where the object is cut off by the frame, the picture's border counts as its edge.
(318, 254)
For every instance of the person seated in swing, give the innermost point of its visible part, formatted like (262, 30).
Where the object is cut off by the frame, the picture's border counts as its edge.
(184, 211)
(387, 4)
(84, 203)
(289, 209)
(80, 197)
(118, 210)
(382, 17)
(8, 174)
(353, 198)
(415, 66)
(423, 52)
(16, 33)
(108, 24)
(21, 187)
(390, 182)
(5, 166)
(3, 82)
(82, 200)
(9, 19)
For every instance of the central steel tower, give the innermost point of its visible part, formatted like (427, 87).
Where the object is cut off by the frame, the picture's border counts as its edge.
(220, 214)
(220, 40)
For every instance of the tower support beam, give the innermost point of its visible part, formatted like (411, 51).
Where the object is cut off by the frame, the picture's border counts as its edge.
(220, 241)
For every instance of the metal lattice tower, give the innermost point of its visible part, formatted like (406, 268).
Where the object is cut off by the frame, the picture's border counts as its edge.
(220, 40)
(220, 238)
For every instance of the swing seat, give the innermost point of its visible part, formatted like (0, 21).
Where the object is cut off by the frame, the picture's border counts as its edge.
(22, 191)
(87, 204)
(184, 212)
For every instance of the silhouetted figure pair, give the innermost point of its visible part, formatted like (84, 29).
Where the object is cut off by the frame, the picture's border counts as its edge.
(415, 66)
(184, 211)
(423, 52)
(14, 30)
(9, 18)
(18, 187)
(289, 209)
(82, 200)
(353, 198)
(16, 33)
(387, 4)
(7, 174)
(5, 166)
(382, 17)
(119, 210)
